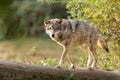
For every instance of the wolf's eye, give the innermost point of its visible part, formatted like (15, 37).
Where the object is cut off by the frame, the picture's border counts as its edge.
(49, 28)
(57, 28)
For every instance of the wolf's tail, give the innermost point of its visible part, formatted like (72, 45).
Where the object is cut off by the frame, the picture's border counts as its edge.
(101, 43)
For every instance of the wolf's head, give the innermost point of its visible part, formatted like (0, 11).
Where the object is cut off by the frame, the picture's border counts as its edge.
(53, 28)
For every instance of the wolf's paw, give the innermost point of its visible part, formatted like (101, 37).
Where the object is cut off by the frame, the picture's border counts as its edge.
(91, 68)
(59, 67)
(72, 66)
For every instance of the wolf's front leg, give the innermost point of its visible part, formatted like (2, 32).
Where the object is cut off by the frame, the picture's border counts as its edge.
(65, 50)
(72, 66)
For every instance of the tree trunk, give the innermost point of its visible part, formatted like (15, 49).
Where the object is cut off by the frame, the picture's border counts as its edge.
(21, 71)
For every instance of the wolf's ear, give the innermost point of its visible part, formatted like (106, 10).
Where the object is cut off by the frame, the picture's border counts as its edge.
(59, 21)
(46, 22)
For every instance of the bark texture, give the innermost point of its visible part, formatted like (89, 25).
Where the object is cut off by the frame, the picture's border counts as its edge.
(20, 71)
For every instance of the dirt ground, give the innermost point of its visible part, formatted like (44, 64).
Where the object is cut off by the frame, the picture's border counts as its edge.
(32, 49)
(19, 50)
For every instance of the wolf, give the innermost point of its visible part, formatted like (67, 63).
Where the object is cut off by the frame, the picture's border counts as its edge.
(68, 32)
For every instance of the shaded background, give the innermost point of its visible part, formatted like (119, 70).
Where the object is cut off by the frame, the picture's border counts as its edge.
(23, 39)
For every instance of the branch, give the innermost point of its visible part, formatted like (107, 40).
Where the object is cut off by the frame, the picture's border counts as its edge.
(20, 71)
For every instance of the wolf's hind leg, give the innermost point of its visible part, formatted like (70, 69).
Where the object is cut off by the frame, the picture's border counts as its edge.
(89, 62)
(94, 56)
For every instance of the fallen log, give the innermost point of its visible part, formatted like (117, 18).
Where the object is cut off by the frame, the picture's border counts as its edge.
(21, 71)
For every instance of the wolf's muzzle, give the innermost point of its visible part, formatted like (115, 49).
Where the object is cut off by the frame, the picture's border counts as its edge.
(53, 35)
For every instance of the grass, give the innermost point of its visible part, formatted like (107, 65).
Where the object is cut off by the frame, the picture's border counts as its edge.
(46, 52)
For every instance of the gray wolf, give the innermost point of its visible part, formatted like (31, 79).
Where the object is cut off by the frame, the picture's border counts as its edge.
(72, 32)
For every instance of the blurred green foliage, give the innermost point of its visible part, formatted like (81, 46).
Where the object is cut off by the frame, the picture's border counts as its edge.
(48, 62)
(4, 7)
(105, 14)
(25, 17)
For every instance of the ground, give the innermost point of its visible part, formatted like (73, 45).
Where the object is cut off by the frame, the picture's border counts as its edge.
(46, 52)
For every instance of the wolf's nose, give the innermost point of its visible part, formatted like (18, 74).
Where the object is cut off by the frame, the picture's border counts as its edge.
(53, 35)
